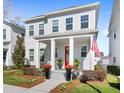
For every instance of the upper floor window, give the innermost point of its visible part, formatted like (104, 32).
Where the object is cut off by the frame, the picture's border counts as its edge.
(31, 54)
(69, 23)
(41, 29)
(83, 51)
(4, 33)
(55, 26)
(31, 30)
(84, 21)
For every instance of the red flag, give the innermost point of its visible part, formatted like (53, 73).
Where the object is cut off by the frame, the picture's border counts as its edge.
(95, 47)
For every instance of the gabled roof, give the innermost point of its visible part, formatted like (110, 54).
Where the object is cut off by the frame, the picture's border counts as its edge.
(11, 24)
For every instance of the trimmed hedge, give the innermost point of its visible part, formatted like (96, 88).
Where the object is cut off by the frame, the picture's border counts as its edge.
(115, 70)
(92, 75)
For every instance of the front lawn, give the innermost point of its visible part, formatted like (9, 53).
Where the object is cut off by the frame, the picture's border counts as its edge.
(12, 77)
(90, 87)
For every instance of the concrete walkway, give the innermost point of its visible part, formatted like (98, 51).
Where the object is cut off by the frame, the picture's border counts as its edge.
(57, 77)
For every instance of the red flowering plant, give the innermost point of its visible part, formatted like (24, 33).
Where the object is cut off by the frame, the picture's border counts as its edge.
(69, 66)
(47, 66)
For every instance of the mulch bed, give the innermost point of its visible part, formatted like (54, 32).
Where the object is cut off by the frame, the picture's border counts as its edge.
(74, 83)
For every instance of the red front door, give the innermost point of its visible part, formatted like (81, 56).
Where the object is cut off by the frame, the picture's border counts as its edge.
(66, 55)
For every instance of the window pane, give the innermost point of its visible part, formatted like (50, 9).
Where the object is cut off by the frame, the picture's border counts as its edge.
(69, 20)
(69, 27)
(84, 18)
(55, 28)
(31, 58)
(31, 33)
(55, 22)
(31, 30)
(69, 23)
(83, 54)
(84, 48)
(41, 26)
(31, 52)
(84, 25)
(42, 55)
(4, 33)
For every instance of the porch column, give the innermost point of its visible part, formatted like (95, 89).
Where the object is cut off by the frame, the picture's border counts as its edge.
(71, 50)
(92, 54)
(53, 54)
(37, 58)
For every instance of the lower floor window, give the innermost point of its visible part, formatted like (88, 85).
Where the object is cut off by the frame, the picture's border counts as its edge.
(42, 51)
(31, 54)
(83, 51)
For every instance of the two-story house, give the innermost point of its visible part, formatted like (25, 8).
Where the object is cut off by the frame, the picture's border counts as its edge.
(10, 32)
(114, 35)
(66, 34)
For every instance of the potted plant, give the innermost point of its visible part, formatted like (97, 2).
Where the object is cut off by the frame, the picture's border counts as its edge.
(68, 72)
(76, 63)
(59, 63)
(47, 68)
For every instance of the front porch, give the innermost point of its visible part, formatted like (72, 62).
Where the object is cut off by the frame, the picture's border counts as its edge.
(67, 49)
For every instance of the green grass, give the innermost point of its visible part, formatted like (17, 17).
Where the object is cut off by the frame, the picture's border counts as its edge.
(13, 77)
(13, 80)
(98, 87)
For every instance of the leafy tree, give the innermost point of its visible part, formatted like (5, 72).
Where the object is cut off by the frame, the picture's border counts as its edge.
(18, 56)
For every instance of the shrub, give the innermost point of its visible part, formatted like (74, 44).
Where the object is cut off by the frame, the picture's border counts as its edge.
(90, 75)
(29, 70)
(38, 72)
(115, 70)
(100, 75)
(11, 67)
(97, 67)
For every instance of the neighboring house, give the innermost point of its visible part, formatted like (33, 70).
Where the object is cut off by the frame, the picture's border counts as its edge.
(104, 60)
(97, 59)
(10, 32)
(114, 35)
(65, 34)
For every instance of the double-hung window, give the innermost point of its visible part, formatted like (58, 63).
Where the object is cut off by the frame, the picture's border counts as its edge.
(55, 25)
(31, 30)
(31, 54)
(69, 23)
(83, 51)
(42, 51)
(4, 33)
(84, 21)
(41, 29)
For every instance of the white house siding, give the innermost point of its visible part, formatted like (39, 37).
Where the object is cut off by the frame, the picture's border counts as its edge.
(114, 44)
(76, 21)
(30, 41)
